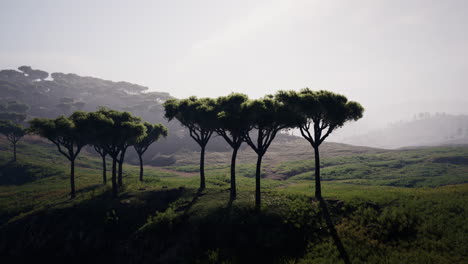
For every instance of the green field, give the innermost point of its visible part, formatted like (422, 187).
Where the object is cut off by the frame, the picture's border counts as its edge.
(399, 206)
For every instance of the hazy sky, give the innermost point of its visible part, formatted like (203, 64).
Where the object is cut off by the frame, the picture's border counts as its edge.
(377, 52)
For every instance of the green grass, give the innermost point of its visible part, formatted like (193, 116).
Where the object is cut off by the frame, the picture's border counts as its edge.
(409, 168)
(404, 206)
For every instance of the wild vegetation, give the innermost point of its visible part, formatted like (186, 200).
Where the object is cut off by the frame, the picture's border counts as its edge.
(376, 205)
(165, 218)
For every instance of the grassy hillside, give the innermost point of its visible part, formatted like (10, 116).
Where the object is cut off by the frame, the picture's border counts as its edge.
(293, 161)
(403, 206)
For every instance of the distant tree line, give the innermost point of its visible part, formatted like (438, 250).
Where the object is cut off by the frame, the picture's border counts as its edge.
(50, 95)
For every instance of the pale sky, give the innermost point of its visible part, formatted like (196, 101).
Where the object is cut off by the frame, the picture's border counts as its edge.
(377, 52)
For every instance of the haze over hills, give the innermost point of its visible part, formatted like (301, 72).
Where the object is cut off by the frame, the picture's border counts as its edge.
(64, 93)
(424, 129)
(396, 58)
(39, 95)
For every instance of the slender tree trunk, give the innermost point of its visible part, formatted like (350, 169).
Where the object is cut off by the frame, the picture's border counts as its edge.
(114, 176)
(141, 167)
(14, 151)
(104, 169)
(258, 201)
(120, 174)
(202, 168)
(121, 160)
(72, 178)
(233, 174)
(318, 188)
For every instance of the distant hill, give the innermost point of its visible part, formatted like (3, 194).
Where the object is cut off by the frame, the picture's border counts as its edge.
(424, 129)
(39, 94)
(61, 94)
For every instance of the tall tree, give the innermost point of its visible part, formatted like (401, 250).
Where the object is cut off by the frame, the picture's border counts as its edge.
(130, 134)
(319, 113)
(66, 135)
(265, 117)
(199, 116)
(13, 133)
(232, 126)
(115, 132)
(95, 126)
(153, 133)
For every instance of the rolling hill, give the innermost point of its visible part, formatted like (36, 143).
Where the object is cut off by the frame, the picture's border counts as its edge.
(401, 206)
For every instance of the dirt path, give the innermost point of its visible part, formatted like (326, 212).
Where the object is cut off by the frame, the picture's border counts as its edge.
(269, 170)
(284, 186)
(178, 173)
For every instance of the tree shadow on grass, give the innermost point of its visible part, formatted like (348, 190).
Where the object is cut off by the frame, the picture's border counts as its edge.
(333, 233)
(98, 229)
(103, 229)
(90, 188)
(187, 207)
(243, 235)
(235, 233)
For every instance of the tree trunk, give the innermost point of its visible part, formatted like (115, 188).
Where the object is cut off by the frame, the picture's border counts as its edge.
(141, 167)
(14, 151)
(233, 174)
(120, 174)
(121, 160)
(72, 178)
(257, 183)
(104, 169)
(318, 188)
(114, 176)
(202, 168)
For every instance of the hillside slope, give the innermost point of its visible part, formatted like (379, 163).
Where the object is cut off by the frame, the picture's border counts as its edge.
(165, 220)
